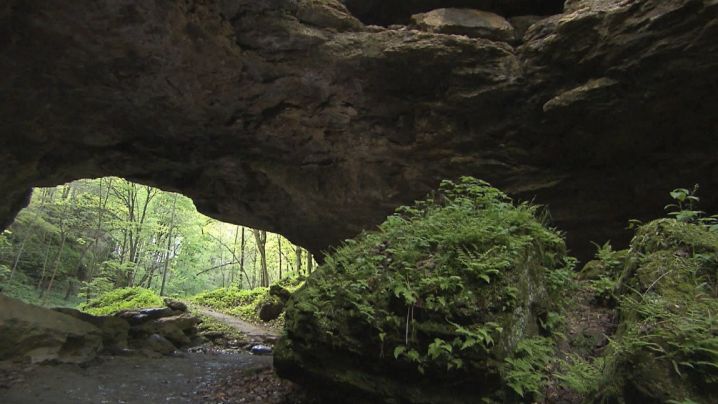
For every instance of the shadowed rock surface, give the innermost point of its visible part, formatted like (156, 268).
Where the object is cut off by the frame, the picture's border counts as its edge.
(295, 117)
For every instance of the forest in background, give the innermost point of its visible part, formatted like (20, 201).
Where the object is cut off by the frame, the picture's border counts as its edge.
(79, 240)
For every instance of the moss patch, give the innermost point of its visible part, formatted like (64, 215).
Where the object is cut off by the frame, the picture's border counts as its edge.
(122, 299)
(246, 303)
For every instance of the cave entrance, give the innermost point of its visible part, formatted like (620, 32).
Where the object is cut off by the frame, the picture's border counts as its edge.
(101, 252)
(78, 240)
(387, 12)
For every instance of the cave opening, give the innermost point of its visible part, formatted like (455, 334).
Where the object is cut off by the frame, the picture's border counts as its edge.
(79, 240)
(388, 12)
(111, 271)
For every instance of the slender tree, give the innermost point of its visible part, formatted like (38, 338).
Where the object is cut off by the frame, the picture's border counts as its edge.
(260, 236)
(298, 257)
(279, 254)
(169, 244)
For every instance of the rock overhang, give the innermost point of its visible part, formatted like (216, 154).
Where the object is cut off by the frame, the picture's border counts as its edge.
(272, 117)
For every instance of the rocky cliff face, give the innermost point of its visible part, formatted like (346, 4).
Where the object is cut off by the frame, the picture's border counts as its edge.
(296, 117)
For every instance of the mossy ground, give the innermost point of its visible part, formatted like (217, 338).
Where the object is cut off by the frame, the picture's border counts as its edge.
(245, 303)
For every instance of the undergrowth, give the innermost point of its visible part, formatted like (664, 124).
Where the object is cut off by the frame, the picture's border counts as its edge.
(244, 303)
(20, 287)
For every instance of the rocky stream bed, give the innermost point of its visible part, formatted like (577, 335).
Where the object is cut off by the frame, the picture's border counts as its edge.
(219, 371)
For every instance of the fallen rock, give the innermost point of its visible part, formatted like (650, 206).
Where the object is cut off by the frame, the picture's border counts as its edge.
(175, 305)
(36, 334)
(463, 21)
(157, 343)
(270, 310)
(114, 329)
(141, 316)
(665, 348)
(178, 329)
(261, 350)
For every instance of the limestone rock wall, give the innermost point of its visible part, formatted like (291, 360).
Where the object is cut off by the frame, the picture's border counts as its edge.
(293, 116)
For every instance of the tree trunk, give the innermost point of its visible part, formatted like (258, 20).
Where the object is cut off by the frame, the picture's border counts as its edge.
(310, 262)
(261, 237)
(241, 257)
(234, 255)
(298, 256)
(169, 245)
(54, 271)
(44, 267)
(17, 258)
(279, 251)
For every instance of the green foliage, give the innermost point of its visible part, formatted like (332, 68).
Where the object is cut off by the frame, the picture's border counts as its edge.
(20, 288)
(684, 208)
(90, 236)
(603, 289)
(244, 303)
(667, 344)
(446, 283)
(225, 299)
(580, 375)
(122, 299)
(527, 369)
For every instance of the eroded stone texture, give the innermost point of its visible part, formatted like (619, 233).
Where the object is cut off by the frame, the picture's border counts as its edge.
(292, 116)
(35, 334)
(463, 21)
(385, 12)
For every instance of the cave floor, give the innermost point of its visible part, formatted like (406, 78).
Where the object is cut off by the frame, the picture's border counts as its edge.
(209, 374)
(203, 377)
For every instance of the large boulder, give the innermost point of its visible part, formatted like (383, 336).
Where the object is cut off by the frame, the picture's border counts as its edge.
(36, 334)
(472, 23)
(666, 347)
(270, 309)
(428, 308)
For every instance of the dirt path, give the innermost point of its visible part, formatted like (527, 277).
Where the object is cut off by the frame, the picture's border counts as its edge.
(252, 331)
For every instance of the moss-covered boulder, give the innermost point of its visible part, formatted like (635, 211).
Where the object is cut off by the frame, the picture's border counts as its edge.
(254, 305)
(666, 347)
(429, 307)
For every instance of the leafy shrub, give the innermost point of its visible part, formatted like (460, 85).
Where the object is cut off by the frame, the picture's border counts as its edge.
(525, 372)
(122, 299)
(580, 375)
